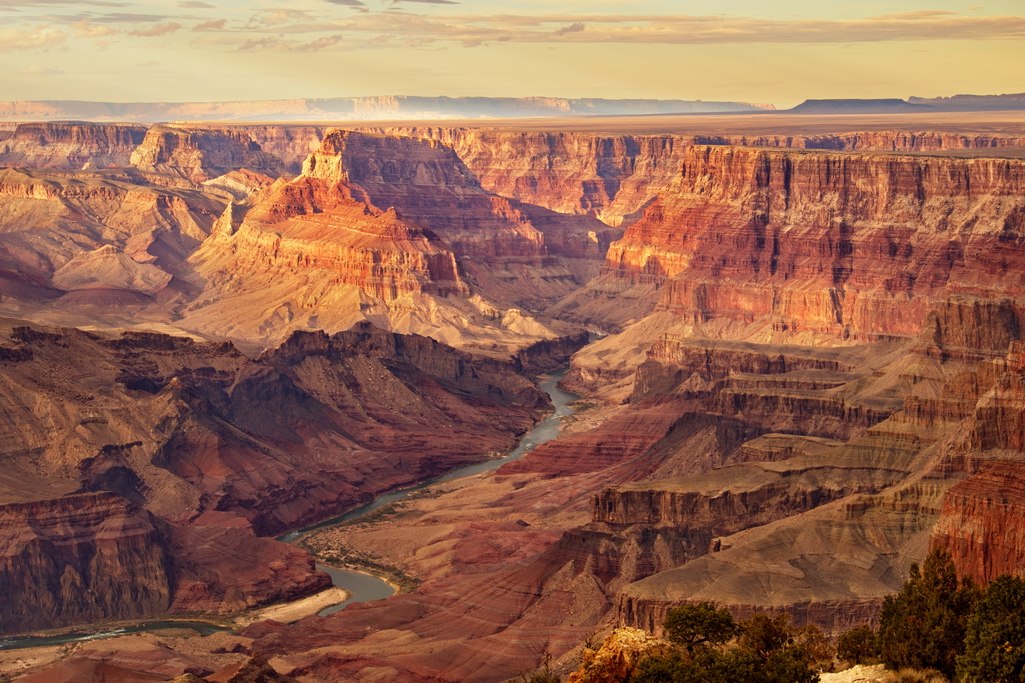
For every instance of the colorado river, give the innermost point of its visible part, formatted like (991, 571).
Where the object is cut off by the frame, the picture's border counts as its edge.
(361, 586)
(364, 587)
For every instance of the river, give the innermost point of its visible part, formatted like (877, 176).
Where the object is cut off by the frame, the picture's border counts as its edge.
(364, 587)
(361, 586)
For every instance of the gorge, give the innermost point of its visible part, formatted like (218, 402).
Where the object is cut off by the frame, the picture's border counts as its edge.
(794, 353)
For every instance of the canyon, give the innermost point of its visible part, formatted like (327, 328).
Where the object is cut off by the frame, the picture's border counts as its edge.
(797, 345)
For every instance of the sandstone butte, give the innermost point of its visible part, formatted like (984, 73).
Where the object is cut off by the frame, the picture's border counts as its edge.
(807, 369)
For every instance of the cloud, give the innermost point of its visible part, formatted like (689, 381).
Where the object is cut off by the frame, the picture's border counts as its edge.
(212, 25)
(470, 29)
(36, 70)
(87, 29)
(575, 27)
(277, 44)
(348, 3)
(17, 5)
(277, 18)
(156, 30)
(195, 4)
(112, 17)
(30, 38)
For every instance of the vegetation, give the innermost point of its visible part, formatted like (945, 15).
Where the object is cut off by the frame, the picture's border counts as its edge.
(948, 626)
(938, 627)
(994, 648)
(699, 624)
(544, 674)
(710, 647)
(858, 646)
(923, 626)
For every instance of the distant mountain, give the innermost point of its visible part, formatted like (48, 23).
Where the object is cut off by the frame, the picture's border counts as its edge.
(912, 104)
(972, 102)
(851, 106)
(358, 108)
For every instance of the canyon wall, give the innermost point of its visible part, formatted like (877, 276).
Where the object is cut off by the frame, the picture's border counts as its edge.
(70, 145)
(159, 463)
(980, 524)
(80, 558)
(850, 245)
(202, 154)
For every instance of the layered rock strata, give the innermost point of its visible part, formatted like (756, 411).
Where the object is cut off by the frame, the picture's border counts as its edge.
(144, 468)
(70, 145)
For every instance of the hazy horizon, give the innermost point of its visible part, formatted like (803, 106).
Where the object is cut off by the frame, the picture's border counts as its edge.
(227, 50)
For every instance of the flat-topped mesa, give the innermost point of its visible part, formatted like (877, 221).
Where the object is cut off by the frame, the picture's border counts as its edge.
(851, 245)
(200, 154)
(70, 145)
(873, 141)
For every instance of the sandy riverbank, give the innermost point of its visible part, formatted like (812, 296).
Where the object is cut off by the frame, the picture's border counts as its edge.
(289, 612)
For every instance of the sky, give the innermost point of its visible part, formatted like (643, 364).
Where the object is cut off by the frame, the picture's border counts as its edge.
(778, 52)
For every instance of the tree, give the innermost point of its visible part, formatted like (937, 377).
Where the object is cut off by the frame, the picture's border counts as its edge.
(699, 623)
(763, 634)
(923, 626)
(858, 645)
(769, 650)
(995, 638)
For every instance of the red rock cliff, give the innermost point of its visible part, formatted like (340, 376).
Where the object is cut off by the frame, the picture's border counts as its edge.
(79, 558)
(847, 244)
(201, 154)
(70, 145)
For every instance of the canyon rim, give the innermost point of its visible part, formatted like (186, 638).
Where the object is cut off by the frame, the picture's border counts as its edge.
(303, 382)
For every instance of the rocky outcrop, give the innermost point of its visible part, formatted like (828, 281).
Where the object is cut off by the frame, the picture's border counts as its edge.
(397, 231)
(981, 522)
(549, 354)
(292, 144)
(430, 186)
(70, 145)
(832, 616)
(609, 177)
(201, 154)
(94, 233)
(617, 657)
(79, 558)
(615, 176)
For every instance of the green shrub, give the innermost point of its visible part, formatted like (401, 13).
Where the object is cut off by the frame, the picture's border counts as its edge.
(995, 638)
(858, 646)
(699, 624)
(923, 626)
(768, 650)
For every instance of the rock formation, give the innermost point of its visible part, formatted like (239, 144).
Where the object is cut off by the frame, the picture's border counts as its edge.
(202, 154)
(397, 231)
(70, 145)
(157, 462)
(806, 368)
